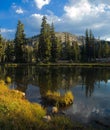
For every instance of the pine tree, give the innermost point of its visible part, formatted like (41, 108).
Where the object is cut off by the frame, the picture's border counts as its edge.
(106, 50)
(54, 43)
(44, 47)
(28, 53)
(2, 48)
(99, 50)
(75, 52)
(9, 52)
(87, 44)
(20, 42)
(90, 50)
(68, 47)
(83, 51)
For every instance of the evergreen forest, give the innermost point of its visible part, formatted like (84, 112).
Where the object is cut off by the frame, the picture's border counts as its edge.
(50, 48)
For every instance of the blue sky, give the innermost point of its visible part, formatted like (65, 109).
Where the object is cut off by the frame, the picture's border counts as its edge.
(72, 16)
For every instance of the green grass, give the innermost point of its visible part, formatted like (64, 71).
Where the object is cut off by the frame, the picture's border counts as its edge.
(87, 64)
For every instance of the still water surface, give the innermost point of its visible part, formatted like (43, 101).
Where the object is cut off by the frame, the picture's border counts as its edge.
(90, 87)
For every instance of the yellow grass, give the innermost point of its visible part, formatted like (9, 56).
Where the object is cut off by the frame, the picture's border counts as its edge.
(60, 100)
(17, 112)
(8, 79)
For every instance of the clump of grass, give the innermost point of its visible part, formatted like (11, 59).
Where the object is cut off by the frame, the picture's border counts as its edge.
(67, 98)
(61, 100)
(8, 79)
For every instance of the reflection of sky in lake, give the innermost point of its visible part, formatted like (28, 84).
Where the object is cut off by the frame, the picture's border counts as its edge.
(33, 93)
(91, 107)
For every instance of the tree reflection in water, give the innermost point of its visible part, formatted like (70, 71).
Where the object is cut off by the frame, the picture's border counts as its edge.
(55, 78)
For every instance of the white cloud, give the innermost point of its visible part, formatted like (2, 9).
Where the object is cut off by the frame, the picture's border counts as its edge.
(39, 16)
(41, 3)
(78, 10)
(7, 33)
(36, 19)
(82, 14)
(76, 18)
(25, 1)
(83, 8)
(33, 24)
(4, 30)
(13, 5)
(19, 10)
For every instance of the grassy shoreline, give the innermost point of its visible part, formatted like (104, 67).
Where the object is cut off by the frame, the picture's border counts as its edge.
(17, 113)
(58, 64)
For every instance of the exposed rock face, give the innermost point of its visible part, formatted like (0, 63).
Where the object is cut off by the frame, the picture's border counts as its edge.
(62, 36)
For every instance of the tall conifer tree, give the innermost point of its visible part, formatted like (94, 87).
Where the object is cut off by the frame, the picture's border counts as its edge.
(20, 42)
(54, 46)
(44, 47)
